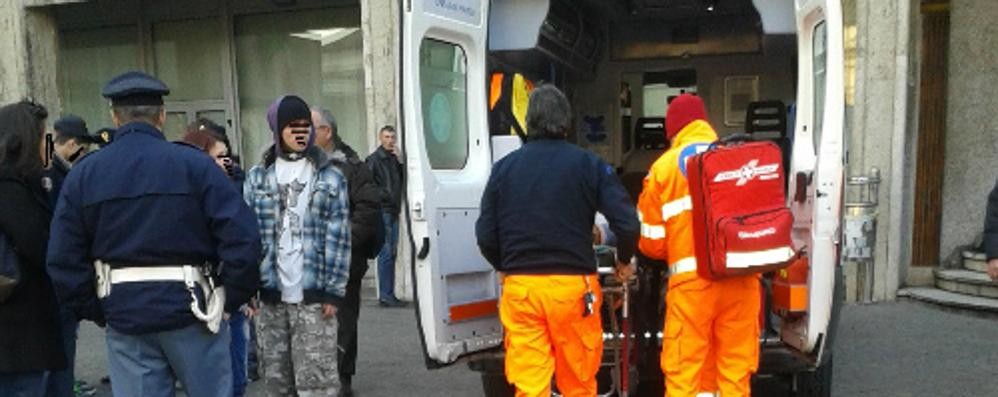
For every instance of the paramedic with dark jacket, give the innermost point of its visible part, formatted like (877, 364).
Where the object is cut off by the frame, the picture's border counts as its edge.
(991, 233)
(716, 323)
(535, 228)
(168, 242)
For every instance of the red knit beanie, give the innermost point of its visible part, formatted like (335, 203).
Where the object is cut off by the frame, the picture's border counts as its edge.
(683, 110)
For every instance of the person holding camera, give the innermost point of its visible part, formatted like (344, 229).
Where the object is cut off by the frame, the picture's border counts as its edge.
(201, 139)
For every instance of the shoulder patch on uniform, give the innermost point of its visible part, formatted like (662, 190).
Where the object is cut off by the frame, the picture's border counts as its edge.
(690, 151)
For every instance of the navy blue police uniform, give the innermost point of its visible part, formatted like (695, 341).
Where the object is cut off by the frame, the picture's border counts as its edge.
(145, 202)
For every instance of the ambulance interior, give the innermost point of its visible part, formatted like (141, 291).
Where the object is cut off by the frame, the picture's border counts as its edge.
(619, 62)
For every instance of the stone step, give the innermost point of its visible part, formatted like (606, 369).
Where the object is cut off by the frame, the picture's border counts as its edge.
(369, 285)
(950, 299)
(966, 282)
(975, 261)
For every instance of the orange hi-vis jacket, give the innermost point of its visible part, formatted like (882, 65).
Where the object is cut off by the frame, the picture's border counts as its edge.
(664, 206)
(711, 334)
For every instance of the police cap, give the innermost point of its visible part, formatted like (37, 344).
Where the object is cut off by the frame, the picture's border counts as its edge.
(135, 89)
(72, 126)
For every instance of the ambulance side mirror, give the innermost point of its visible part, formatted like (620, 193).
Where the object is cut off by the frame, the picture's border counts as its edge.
(802, 182)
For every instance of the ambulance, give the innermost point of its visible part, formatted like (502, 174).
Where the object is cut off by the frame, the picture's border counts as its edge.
(771, 68)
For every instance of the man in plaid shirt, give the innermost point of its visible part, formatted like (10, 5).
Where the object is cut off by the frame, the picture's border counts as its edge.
(300, 200)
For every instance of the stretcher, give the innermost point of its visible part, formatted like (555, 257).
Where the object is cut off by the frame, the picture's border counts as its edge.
(618, 337)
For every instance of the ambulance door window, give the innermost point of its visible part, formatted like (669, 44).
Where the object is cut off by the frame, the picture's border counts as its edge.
(443, 80)
(820, 62)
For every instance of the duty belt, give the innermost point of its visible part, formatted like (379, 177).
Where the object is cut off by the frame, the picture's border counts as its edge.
(190, 275)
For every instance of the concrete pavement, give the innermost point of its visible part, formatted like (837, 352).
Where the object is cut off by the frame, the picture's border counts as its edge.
(889, 349)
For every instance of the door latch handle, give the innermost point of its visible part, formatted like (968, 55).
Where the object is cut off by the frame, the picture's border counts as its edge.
(820, 194)
(424, 250)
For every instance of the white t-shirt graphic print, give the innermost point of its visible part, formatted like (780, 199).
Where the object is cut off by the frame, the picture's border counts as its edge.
(294, 183)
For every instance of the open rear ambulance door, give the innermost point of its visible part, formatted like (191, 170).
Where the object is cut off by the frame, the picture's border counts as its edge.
(817, 166)
(445, 139)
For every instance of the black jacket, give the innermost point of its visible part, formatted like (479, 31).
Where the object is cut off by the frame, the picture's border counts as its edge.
(539, 207)
(365, 202)
(57, 175)
(388, 175)
(30, 332)
(991, 225)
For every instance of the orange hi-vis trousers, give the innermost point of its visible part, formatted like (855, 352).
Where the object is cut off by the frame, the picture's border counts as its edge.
(547, 334)
(711, 336)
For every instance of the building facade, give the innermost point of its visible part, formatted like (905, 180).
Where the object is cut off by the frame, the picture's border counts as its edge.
(920, 87)
(224, 60)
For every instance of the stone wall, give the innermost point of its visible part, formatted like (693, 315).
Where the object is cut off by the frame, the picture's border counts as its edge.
(380, 23)
(28, 64)
(972, 121)
(12, 82)
(880, 128)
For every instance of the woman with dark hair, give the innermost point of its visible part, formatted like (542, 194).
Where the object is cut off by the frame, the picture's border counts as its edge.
(30, 329)
(210, 144)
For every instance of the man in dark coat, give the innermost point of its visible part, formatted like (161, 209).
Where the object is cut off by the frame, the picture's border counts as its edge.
(365, 225)
(153, 238)
(551, 296)
(991, 233)
(384, 164)
(72, 141)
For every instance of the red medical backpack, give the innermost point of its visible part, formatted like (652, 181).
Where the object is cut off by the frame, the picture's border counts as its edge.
(741, 223)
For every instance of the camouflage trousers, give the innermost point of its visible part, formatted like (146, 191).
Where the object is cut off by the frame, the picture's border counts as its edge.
(297, 350)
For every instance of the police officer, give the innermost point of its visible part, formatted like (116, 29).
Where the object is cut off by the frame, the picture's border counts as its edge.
(71, 142)
(168, 242)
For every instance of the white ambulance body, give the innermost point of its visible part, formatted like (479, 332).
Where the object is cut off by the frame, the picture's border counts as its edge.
(646, 50)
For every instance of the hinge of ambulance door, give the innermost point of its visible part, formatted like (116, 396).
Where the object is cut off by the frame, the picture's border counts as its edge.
(417, 210)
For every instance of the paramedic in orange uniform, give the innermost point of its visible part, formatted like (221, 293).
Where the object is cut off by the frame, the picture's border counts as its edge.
(535, 228)
(711, 336)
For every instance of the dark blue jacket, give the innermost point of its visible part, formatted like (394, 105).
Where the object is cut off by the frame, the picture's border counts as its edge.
(539, 206)
(143, 201)
(56, 175)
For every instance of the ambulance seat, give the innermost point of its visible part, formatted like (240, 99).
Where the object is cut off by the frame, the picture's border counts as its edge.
(649, 133)
(768, 120)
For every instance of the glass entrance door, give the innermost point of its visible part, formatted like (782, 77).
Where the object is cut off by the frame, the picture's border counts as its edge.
(189, 56)
(180, 115)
